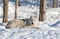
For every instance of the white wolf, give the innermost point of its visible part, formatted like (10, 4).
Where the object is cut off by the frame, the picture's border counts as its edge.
(20, 23)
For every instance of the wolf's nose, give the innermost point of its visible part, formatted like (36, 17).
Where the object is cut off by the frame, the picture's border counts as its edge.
(32, 23)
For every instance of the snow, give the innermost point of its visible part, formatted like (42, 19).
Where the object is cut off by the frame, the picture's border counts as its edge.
(49, 29)
(28, 34)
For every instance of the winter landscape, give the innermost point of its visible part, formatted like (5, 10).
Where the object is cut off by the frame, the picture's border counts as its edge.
(49, 29)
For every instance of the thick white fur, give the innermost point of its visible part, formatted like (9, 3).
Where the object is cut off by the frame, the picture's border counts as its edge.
(15, 23)
(21, 23)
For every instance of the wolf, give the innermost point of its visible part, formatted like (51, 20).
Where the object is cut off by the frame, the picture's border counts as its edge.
(15, 23)
(21, 23)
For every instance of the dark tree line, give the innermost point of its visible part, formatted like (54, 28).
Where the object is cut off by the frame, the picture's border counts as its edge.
(43, 8)
(5, 10)
(41, 12)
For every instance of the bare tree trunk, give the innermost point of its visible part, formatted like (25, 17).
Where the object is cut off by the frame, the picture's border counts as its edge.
(55, 3)
(5, 10)
(16, 6)
(42, 10)
(19, 3)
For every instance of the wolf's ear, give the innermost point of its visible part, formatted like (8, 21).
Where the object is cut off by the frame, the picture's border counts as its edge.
(32, 17)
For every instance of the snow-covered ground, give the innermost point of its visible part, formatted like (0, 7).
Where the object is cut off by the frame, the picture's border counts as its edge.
(49, 29)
